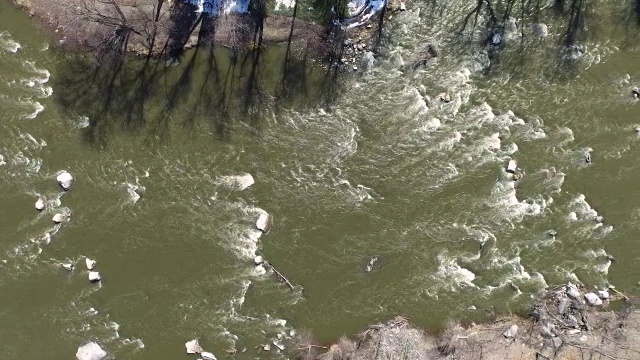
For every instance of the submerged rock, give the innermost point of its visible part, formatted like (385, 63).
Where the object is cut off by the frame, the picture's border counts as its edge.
(90, 263)
(90, 351)
(592, 299)
(207, 356)
(511, 332)
(603, 294)
(264, 222)
(540, 30)
(65, 180)
(193, 347)
(40, 204)
(368, 60)
(94, 276)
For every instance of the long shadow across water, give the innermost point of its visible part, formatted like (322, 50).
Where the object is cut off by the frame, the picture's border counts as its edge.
(210, 86)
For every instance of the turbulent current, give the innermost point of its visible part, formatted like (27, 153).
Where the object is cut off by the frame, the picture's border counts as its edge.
(385, 200)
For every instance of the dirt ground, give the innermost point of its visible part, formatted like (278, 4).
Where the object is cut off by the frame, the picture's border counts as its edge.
(563, 325)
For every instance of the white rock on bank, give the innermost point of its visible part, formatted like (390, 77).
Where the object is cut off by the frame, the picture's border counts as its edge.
(90, 263)
(193, 347)
(511, 332)
(592, 299)
(603, 294)
(65, 180)
(90, 351)
(67, 266)
(59, 218)
(572, 291)
(264, 222)
(40, 204)
(207, 356)
(94, 276)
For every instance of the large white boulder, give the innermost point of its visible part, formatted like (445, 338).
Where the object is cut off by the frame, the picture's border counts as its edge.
(572, 291)
(40, 204)
(511, 332)
(90, 351)
(258, 260)
(264, 222)
(65, 180)
(90, 263)
(193, 347)
(512, 166)
(94, 276)
(603, 294)
(592, 299)
(60, 218)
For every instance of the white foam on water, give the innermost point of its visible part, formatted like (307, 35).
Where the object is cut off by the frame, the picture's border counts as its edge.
(37, 109)
(133, 192)
(8, 44)
(236, 182)
(236, 302)
(503, 198)
(451, 276)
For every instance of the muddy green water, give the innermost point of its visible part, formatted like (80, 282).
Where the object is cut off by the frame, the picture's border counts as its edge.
(372, 167)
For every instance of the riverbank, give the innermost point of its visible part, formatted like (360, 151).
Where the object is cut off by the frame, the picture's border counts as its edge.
(565, 322)
(167, 28)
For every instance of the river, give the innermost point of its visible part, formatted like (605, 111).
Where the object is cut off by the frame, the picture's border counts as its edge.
(372, 167)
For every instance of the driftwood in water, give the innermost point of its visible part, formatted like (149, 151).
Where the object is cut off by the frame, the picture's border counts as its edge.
(279, 275)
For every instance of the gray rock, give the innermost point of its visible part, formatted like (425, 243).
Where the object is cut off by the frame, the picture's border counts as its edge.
(511, 332)
(592, 299)
(90, 351)
(571, 321)
(65, 180)
(603, 294)
(193, 347)
(540, 30)
(496, 39)
(207, 356)
(562, 305)
(572, 291)
(557, 342)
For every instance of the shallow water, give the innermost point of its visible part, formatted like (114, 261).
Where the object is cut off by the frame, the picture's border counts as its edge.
(375, 167)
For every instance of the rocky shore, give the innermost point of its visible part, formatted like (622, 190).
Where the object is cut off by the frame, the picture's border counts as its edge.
(565, 322)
